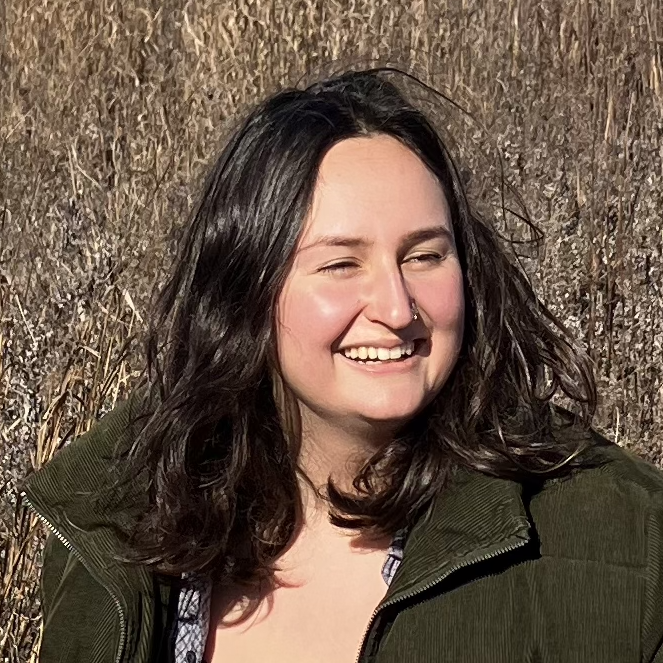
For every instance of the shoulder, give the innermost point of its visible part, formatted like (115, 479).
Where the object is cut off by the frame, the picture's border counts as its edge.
(600, 536)
(94, 449)
(79, 482)
(608, 513)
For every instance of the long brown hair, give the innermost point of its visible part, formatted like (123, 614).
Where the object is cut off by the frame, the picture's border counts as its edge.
(222, 474)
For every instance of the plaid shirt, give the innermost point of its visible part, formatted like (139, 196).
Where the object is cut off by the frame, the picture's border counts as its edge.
(194, 604)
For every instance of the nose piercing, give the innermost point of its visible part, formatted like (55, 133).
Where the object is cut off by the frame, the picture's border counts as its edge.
(415, 311)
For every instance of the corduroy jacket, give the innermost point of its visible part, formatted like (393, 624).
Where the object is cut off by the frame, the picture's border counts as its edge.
(567, 571)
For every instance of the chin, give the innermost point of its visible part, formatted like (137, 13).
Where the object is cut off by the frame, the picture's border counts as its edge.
(398, 413)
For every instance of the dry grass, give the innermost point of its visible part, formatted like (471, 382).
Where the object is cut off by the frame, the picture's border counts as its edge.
(109, 112)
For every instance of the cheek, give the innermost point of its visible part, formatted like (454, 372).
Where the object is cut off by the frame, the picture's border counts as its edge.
(315, 316)
(444, 302)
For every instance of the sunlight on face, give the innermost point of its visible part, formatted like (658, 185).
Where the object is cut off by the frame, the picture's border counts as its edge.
(378, 237)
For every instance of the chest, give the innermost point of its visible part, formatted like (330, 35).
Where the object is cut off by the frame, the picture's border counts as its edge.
(321, 616)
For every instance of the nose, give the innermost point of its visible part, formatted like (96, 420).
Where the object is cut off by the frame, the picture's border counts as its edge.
(389, 300)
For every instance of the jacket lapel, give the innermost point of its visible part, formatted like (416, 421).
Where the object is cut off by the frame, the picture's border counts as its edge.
(476, 517)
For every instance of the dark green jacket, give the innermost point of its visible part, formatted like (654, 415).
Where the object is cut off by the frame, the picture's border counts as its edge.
(569, 572)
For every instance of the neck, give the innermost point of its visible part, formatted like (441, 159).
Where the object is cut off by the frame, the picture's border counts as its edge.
(337, 450)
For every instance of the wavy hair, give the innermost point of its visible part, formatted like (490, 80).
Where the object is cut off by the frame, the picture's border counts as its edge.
(221, 466)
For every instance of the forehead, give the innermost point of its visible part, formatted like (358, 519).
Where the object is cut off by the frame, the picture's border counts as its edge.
(374, 186)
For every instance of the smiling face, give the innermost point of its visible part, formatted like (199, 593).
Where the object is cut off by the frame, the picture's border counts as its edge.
(378, 238)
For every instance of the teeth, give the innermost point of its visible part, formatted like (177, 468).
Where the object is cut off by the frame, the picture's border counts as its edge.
(380, 354)
(395, 353)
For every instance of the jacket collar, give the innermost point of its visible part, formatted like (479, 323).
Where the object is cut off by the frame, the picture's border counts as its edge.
(475, 516)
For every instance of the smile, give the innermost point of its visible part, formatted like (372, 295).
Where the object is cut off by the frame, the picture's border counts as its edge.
(374, 354)
(409, 357)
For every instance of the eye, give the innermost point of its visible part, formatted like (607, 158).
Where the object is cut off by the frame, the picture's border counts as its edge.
(338, 267)
(432, 258)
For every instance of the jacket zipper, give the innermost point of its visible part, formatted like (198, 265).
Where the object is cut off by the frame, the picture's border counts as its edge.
(67, 544)
(452, 569)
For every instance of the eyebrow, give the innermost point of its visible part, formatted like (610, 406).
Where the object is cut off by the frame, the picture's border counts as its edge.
(415, 237)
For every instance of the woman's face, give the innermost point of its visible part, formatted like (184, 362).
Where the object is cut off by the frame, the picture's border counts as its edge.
(378, 237)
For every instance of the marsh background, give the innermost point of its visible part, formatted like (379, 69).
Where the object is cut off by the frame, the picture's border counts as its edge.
(110, 110)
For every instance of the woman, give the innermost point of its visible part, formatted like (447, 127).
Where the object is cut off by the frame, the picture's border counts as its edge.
(345, 447)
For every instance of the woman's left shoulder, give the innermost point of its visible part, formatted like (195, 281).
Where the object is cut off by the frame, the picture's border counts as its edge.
(611, 470)
(607, 512)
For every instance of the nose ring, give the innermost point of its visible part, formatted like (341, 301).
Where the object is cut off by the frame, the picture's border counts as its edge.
(415, 311)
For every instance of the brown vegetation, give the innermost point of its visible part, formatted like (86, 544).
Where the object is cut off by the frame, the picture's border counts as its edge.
(110, 111)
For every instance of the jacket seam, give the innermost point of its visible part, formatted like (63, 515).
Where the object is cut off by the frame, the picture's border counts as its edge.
(584, 560)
